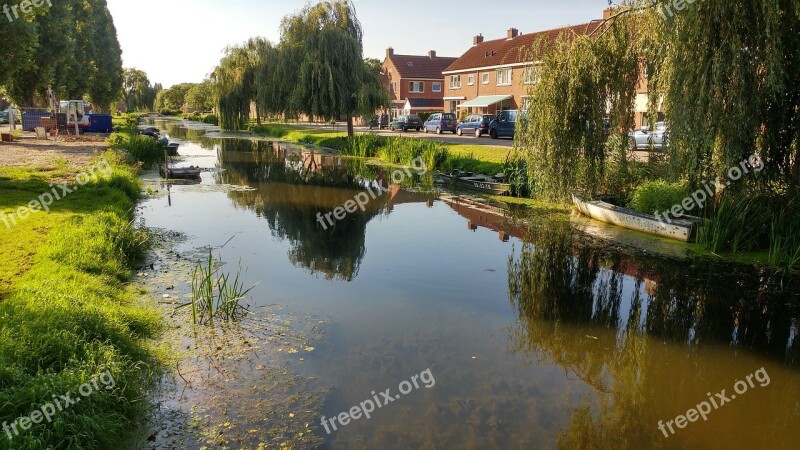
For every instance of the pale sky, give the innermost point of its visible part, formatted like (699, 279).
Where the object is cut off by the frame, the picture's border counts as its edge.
(177, 41)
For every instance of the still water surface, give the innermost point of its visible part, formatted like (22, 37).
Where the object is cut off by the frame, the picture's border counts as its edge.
(536, 336)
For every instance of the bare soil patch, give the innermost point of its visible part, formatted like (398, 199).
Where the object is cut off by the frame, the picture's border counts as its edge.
(43, 154)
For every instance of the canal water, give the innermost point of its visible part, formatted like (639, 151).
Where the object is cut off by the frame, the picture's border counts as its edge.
(508, 336)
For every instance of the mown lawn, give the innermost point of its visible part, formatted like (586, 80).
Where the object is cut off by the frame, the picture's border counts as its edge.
(67, 315)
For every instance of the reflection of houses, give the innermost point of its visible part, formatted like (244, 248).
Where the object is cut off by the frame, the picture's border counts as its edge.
(415, 83)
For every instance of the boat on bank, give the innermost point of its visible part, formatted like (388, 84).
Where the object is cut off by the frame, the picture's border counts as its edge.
(468, 180)
(677, 229)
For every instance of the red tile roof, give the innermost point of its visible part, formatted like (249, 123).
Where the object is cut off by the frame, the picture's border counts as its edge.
(510, 51)
(411, 66)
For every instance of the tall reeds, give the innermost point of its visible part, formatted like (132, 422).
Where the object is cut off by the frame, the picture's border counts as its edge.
(216, 294)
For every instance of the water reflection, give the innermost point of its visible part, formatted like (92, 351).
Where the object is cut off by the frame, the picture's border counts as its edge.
(607, 318)
(293, 186)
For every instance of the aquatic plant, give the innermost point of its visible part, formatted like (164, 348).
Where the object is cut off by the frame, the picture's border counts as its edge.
(215, 294)
(143, 149)
(657, 196)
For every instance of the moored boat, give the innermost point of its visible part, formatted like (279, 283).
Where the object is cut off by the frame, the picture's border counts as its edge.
(681, 230)
(494, 185)
(185, 173)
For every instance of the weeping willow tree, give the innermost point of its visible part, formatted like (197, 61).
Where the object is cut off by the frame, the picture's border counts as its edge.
(234, 82)
(319, 70)
(580, 111)
(729, 74)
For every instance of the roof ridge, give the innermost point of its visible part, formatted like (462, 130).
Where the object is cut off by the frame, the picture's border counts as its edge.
(587, 24)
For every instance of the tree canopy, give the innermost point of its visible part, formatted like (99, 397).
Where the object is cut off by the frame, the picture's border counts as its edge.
(317, 70)
(724, 72)
(72, 48)
(137, 92)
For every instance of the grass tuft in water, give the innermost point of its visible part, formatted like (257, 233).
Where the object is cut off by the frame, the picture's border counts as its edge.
(216, 294)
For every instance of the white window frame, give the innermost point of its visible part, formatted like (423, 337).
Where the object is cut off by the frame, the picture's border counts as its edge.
(471, 80)
(455, 81)
(394, 87)
(500, 80)
(533, 74)
(436, 87)
(485, 78)
(420, 85)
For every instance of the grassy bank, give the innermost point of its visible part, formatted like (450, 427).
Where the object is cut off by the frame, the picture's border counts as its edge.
(66, 313)
(394, 149)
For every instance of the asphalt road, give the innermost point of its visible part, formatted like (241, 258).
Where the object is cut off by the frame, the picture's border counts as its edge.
(447, 138)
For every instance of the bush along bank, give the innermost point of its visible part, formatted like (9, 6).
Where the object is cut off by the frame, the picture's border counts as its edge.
(71, 320)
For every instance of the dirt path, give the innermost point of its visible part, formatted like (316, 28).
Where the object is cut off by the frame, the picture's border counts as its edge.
(43, 154)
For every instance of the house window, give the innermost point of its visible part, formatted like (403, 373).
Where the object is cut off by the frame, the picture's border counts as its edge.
(471, 80)
(486, 78)
(437, 87)
(455, 81)
(504, 77)
(394, 87)
(416, 86)
(533, 74)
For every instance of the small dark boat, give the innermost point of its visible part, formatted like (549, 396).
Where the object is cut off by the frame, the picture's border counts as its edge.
(185, 173)
(150, 131)
(494, 185)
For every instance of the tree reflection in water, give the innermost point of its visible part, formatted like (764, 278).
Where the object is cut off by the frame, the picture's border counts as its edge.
(291, 185)
(604, 316)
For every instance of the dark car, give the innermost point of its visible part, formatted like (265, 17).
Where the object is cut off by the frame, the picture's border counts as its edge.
(405, 123)
(505, 125)
(477, 124)
(3, 116)
(441, 122)
(380, 122)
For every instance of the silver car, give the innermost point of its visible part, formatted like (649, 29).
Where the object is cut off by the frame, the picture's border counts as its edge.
(645, 139)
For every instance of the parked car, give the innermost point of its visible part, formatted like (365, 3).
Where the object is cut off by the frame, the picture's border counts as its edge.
(3, 116)
(477, 124)
(505, 125)
(406, 123)
(441, 122)
(380, 122)
(645, 139)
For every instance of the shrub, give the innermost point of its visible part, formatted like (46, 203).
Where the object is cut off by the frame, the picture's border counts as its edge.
(143, 149)
(211, 119)
(657, 196)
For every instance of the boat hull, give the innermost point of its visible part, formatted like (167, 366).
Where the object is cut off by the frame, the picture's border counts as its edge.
(680, 230)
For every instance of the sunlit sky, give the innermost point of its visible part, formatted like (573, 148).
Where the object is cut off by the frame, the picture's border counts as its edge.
(177, 41)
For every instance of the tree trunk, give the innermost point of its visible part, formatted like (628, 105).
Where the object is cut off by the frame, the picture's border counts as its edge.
(258, 115)
(350, 131)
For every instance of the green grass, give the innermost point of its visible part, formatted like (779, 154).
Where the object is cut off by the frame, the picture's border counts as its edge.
(140, 149)
(66, 312)
(658, 196)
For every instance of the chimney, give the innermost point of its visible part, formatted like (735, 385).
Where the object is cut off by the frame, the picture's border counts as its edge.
(432, 54)
(607, 13)
(477, 39)
(389, 52)
(512, 33)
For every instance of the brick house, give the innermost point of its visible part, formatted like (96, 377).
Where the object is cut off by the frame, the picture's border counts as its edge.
(415, 83)
(495, 75)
